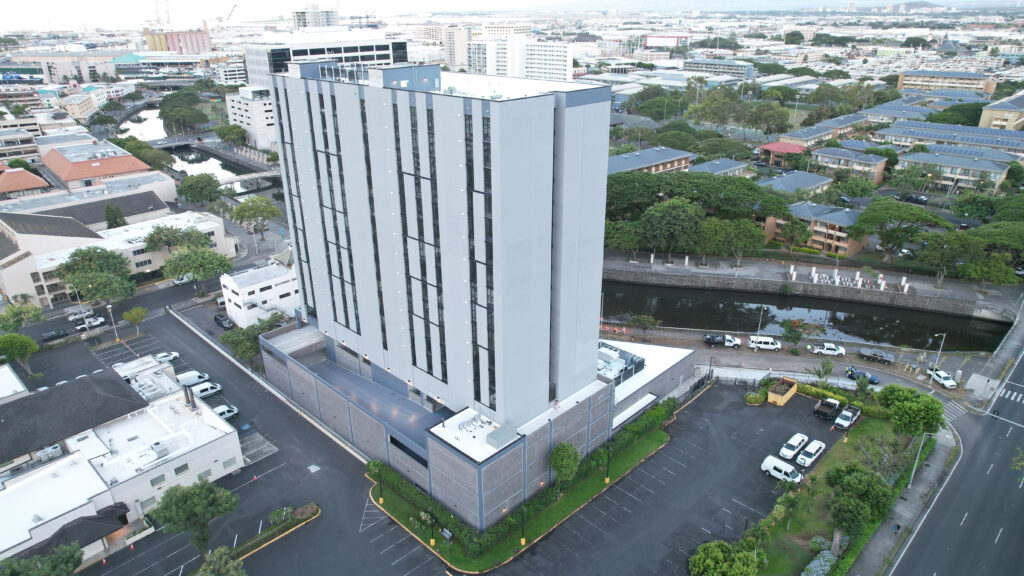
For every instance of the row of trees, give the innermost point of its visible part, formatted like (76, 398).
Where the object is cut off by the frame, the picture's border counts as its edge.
(156, 159)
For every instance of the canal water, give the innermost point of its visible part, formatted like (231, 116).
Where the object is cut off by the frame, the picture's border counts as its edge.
(151, 128)
(740, 311)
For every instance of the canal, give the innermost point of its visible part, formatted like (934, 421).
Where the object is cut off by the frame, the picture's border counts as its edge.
(739, 312)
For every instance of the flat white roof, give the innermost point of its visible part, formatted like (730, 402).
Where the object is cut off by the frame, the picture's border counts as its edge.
(130, 440)
(10, 384)
(132, 235)
(132, 183)
(44, 494)
(504, 87)
(637, 406)
(467, 431)
(657, 359)
(255, 276)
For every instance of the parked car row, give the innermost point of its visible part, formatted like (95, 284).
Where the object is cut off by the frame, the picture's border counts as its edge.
(201, 386)
(799, 446)
(829, 409)
(753, 342)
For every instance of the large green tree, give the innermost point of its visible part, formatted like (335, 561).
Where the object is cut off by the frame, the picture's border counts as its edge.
(244, 343)
(63, 561)
(200, 188)
(671, 226)
(921, 414)
(115, 218)
(1002, 236)
(768, 117)
(17, 315)
(713, 238)
(192, 508)
(793, 37)
(255, 211)
(895, 223)
(196, 262)
(745, 237)
(719, 558)
(968, 114)
(794, 232)
(944, 251)
(18, 347)
(232, 134)
(890, 155)
(98, 274)
(135, 316)
(156, 159)
(994, 267)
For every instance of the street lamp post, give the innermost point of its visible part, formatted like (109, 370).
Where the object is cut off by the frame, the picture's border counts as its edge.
(608, 466)
(938, 356)
(431, 512)
(110, 310)
(522, 523)
(759, 320)
(918, 458)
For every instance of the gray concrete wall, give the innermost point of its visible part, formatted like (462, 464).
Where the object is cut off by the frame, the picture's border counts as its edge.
(409, 468)
(276, 373)
(368, 434)
(502, 481)
(303, 389)
(334, 411)
(710, 282)
(454, 482)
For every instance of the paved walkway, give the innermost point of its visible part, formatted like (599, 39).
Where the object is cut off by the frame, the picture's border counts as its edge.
(1003, 297)
(885, 543)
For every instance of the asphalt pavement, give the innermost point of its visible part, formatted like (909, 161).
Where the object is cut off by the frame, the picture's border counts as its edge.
(977, 522)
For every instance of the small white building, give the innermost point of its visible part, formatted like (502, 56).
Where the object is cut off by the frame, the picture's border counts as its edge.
(255, 294)
(253, 110)
(103, 459)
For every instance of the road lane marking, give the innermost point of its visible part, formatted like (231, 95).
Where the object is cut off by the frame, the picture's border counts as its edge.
(726, 509)
(1021, 483)
(998, 535)
(964, 520)
(1008, 432)
(755, 510)
(989, 468)
(705, 529)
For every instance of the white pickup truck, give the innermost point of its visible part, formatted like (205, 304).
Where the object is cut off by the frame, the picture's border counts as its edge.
(827, 349)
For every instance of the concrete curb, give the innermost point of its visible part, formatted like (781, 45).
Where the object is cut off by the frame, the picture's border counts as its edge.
(266, 385)
(319, 511)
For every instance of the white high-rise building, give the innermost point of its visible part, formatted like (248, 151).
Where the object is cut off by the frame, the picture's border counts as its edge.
(262, 60)
(456, 41)
(502, 31)
(449, 226)
(313, 17)
(521, 57)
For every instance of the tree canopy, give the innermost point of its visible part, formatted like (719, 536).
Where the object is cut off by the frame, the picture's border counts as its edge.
(199, 188)
(97, 274)
(18, 347)
(671, 226)
(191, 508)
(17, 315)
(156, 159)
(895, 222)
(719, 558)
(945, 251)
(793, 37)
(255, 211)
(244, 342)
(565, 460)
(63, 561)
(220, 563)
(115, 218)
(167, 237)
(968, 114)
(197, 262)
(232, 134)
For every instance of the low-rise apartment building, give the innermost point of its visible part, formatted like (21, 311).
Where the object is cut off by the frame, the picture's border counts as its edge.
(829, 226)
(945, 80)
(81, 106)
(773, 153)
(713, 67)
(869, 166)
(721, 167)
(908, 133)
(807, 137)
(797, 181)
(957, 173)
(653, 160)
(255, 294)
(1006, 114)
(252, 109)
(17, 182)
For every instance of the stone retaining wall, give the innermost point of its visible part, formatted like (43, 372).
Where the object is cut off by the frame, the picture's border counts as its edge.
(764, 286)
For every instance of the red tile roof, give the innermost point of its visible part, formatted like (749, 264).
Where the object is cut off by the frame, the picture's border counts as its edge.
(18, 179)
(783, 148)
(67, 170)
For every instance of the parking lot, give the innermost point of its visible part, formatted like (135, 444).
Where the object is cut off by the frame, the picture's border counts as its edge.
(705, 484)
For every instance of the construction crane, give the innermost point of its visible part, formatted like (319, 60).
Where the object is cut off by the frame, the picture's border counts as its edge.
(222, 21)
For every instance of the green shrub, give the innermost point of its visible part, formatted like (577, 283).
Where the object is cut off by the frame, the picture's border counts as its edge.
(280, 515)
(834, 255)
(794, 351)
(773, 245)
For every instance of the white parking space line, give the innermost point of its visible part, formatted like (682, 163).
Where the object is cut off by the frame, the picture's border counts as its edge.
(418, 566)
(656, 479)
(404, 556)
(627, 493)
(964, 519)
(581, 517)
(384, 533)
(404, 538)
(754, 510)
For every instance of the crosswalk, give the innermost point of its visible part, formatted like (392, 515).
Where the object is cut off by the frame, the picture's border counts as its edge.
(1012, 395)
(954, 411)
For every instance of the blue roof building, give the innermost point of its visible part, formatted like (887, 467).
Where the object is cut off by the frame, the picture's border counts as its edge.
(797, 180)
(653, 160)
(721, 167)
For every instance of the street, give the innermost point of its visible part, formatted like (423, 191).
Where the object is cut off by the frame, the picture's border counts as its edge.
(976, 524)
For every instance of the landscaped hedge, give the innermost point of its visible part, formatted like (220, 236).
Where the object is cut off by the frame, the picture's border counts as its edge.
(821, 565)
(476, 543)
(806, 250)
(834, 255)
(773, 245)
(290, 520)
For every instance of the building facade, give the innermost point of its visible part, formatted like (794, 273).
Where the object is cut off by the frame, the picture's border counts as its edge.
(869, 166)
(231, 73)
(829, 227)
(262, 60)
(252, 109)
(18, 143)
(711, 67)
(958, 173)
(180, 42)
(521, 57)
(456, 45)
(1006, 114)
(945, 80)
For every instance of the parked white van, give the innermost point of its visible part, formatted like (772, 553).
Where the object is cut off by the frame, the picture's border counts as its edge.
(780, 470)
(206, 389)
(192, 377)
(763, 343)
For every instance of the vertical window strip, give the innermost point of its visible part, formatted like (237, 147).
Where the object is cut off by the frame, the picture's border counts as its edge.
(488, 242)
(424, 287)
(405, 233)
(468, 139)
(302, 250)
(320, 191)
(437, 244)
(373, 224)
(349, 278)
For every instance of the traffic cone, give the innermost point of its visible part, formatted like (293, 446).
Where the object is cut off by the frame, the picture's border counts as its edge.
(104, 561)
(254, 478)
(832, 429)
(132, 546)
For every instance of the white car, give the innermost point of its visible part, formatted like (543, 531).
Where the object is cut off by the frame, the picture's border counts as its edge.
(80, 315)
(166, 356)
(943, 378)
(90, 322)
(226, 411)
(792, 447)
(182, 280)
(810, 454)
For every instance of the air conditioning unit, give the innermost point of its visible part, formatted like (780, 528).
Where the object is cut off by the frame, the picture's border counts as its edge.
(49, 453)
(160, 450)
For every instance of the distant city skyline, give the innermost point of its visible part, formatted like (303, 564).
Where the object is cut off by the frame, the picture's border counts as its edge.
(62, 15)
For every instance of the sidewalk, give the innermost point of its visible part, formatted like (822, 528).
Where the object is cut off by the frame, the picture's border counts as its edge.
(885, 544)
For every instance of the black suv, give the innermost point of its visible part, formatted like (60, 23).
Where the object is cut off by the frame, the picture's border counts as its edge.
(223, 321)
(54, 335)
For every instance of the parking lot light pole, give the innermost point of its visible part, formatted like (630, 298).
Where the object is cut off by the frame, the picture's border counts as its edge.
(110, 310)
(608, 466)
(380, 482)
(431, 512)
(939, 355)
(760, 314)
